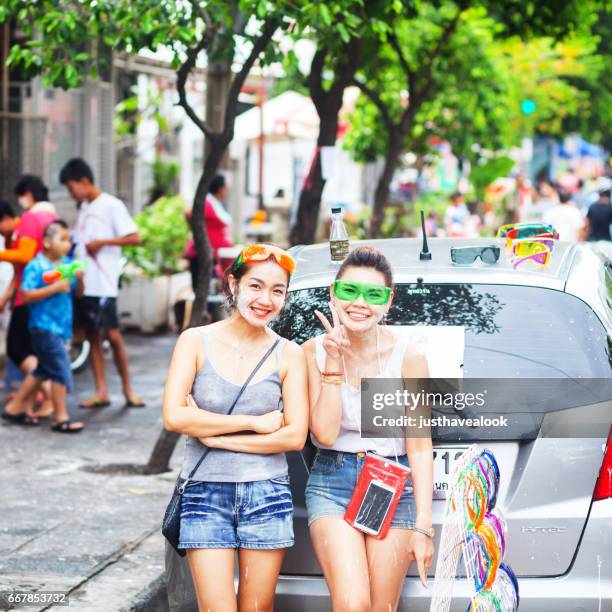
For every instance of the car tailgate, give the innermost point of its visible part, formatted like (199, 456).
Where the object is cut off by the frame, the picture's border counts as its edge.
(545, 495)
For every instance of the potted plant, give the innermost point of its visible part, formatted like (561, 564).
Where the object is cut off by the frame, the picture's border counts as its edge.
(155, 276)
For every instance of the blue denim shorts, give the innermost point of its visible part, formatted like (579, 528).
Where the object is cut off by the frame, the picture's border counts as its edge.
(255, 515)
(53, 359)
(332, 479)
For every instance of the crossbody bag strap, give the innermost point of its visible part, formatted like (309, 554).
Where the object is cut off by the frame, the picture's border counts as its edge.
(242, 389)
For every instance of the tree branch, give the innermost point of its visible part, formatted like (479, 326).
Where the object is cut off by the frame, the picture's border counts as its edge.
(315, 86)
(202, 13)
(402, 58)
(260, 44)
(181, 80)
(377, 101)
(448, 30)
(346, 69)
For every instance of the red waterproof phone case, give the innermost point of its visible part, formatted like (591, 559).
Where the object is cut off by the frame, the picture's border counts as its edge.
(376, 495)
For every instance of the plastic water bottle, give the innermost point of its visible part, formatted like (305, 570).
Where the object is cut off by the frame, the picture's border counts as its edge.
(338, 237)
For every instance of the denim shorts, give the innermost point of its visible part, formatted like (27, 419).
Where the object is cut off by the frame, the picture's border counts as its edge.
(53, 359)
(255, 515)
(332, 479)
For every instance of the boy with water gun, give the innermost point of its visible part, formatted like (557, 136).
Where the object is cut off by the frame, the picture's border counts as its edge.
(48, 281)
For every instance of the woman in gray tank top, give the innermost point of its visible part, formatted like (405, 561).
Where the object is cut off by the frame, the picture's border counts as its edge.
(239, 497)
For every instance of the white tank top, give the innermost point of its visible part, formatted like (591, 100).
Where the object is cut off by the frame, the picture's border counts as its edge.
(349, 438)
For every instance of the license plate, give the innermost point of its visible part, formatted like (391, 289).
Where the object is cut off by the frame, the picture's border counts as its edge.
(444, 458)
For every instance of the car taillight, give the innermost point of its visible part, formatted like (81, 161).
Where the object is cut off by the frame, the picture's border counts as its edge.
(603, 486)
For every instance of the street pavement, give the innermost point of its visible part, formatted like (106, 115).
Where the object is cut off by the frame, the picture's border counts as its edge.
(69, 524)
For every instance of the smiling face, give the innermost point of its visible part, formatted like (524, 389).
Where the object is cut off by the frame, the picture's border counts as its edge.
(358, 315)
(260, 294)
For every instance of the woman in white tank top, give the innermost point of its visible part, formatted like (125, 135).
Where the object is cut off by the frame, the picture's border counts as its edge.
(362, 572)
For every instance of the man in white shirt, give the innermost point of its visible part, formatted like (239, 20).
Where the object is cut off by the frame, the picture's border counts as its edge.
(103, 227)
(565, 218)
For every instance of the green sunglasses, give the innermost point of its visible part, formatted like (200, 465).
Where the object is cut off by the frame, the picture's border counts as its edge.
(349, 291)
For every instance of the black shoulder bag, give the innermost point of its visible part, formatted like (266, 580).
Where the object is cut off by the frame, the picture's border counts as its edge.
(171, 525)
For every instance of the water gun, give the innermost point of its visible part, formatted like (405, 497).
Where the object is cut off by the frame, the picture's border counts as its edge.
(62, 272)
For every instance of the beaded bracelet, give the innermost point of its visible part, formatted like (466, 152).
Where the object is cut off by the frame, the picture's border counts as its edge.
(332, 378)
(332, 373)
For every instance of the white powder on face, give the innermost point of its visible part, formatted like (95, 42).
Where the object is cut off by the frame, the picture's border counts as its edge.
(244, 298)
(242, 304)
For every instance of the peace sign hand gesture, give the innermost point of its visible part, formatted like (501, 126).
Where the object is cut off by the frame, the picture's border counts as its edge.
(335, 340)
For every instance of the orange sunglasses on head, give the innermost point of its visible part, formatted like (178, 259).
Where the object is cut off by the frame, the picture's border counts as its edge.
(263, 252)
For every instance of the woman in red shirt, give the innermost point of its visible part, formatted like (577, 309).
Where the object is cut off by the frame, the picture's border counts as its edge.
(218, 225)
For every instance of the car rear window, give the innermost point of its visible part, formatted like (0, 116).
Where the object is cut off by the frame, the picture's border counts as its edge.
(510, 331)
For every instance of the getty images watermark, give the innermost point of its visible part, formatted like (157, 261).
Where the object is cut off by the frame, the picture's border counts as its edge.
(425, 401)
(486, 408)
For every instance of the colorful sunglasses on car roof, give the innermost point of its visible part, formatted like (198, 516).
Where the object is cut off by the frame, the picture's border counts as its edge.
(519, 233)
(530, 231)
(510, 241)
(535, 250)
(526, 230)
(528, 246)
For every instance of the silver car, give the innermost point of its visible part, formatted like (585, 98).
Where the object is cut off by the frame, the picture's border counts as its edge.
(556, 493)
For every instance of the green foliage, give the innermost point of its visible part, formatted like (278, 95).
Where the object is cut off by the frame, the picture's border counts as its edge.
(165, 175)
(126, 117)
(59, 35)
(533, 18)
(331, 26)
(594, 120)
(293, 79)
(63, 38)
(334, 23)
(55, 30)
(399, 220)
(553, 74)
(437, 201)
(470, 94)
(366, 139)
(465, 103)
(129, 113)
(468, 105)
(483, 174)
(396, 223)
(164, 233)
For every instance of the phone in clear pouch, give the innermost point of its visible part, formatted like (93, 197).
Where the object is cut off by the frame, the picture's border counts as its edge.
(374, 507)
(376, 495)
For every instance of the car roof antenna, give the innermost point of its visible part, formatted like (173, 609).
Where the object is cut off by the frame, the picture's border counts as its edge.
(425, 255)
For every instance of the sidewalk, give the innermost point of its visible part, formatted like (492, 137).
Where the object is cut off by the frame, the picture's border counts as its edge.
(66, 527)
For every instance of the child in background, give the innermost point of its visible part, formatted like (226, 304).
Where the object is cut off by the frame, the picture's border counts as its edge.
(50, 322)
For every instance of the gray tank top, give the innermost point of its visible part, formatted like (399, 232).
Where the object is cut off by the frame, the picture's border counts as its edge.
(215, 393)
